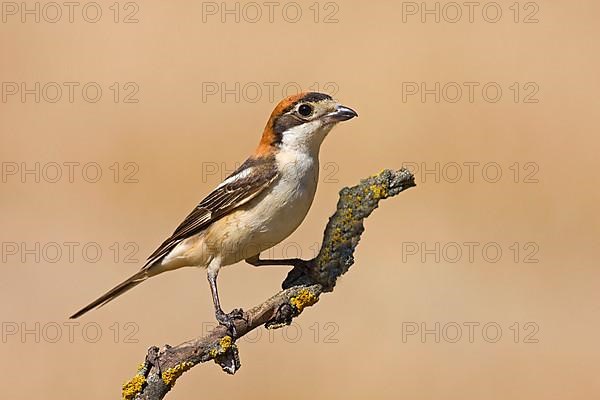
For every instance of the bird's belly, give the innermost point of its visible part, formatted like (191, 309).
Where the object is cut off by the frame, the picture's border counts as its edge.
(262, 223)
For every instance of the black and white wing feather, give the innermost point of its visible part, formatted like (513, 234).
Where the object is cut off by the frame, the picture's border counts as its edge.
(244, 184)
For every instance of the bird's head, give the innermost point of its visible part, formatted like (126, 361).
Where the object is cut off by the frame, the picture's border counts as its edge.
(301, 122)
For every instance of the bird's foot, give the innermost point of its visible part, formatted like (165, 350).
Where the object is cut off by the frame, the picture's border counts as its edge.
(228, 320)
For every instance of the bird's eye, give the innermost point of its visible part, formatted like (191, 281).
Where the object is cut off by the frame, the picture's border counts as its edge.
(305, 110)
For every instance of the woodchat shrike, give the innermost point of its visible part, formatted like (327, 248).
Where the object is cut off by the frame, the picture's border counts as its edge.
(257, 206)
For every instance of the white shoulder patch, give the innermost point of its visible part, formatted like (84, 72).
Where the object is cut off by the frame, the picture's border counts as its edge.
(240, 175)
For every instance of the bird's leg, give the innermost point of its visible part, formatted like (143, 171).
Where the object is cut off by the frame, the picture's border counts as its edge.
(257, 262)
(227, 320)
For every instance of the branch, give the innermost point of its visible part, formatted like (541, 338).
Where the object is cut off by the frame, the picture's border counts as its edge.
(302, 288)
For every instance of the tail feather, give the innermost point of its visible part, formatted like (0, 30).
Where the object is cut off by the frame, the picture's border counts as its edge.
(113, 293)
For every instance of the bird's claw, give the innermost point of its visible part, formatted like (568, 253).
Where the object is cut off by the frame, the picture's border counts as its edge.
(228, 320)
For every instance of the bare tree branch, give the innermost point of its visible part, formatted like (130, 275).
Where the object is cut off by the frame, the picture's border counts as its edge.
(302, 288)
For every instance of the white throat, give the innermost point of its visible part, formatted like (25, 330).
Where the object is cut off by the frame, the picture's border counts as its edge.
(306, 138)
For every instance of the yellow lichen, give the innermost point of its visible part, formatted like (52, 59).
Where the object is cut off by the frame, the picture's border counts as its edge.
(170, 375)
(379, 192)
(347, 217)
(336, 236)
(324, 258)
(304, 298)
(224, 344)
(133, 387)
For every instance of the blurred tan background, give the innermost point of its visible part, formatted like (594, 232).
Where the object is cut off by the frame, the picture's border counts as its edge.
(419, 315)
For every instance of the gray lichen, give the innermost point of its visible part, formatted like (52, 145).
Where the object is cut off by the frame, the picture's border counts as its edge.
(345, 227)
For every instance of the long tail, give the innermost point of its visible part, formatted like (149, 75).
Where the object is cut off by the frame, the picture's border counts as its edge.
(115, 292)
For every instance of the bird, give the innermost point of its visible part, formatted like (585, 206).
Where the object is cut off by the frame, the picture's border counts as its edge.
(256, 207)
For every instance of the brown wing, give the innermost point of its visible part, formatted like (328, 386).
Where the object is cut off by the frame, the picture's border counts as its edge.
(245, 183)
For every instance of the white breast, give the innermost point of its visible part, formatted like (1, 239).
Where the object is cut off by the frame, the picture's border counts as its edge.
(273, 216)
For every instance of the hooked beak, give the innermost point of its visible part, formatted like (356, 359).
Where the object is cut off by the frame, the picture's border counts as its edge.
(341, 113)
